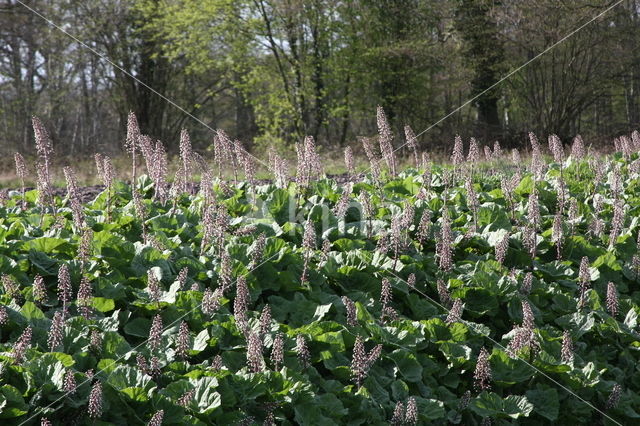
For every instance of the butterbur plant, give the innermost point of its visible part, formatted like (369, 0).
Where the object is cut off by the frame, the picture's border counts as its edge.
(612, 299)
(95, 340)
(44, 148)
(153, 287)
(154, 367)
(21, 345)
(246, 160)
(155, 333)
(254, 353)
(444, 245)
(74, 198)
(39, 290)
(398, 415)
(386, 296)
(412, 143)
(94, 408)
(474, 151)
(424, 226)
(501, 249)
(10, 286)
(614, 397)
(183, 341)
(56, 331)
(223, 150)
(108, 174)
(277, 352)
(142, 364)
(411, 412)
(85, 247)
(482, 373)
(362, 361)
(308, 245)
(341, 206)
(210, 301)
(226, 265)
(156, 419)
(64, 287)
(303, 169)
(69, 385)
(444, 256)
(385, 136)
(350, 307)
(4, 315)
(443, 293)
(527, 316)
(241, 303)
(257, 251)
(84, 298)
(455, 314)
(182, 277)
(132, 144)
(566, 351)
(523, 338)
(527, 283)
(577, 148)
(584, 278)
(186, 398)
(457, 157)
(304, 356)
(265, 320)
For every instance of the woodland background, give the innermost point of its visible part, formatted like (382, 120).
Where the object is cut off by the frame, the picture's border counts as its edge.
(269, 72)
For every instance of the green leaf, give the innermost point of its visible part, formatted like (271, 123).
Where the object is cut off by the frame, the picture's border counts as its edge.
(206, 398)
(114, 345)
(103, 305)
(477, 300)
(432, 409)
(65, 359)
(407, 365)
(545, 401)
(455, 353)
(138, 327)
(631, 320)
(321, 311)
(489, 404)
(45, 265)
(321, 410)
(12, 403)
(30, 311)
(201, 341)
(507, 370)
(124, 376)
(516, 406)
(135, 394)
(48, 245)
(579, 323)
(277, 205)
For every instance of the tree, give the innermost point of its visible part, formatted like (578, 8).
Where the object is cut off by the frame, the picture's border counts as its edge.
(484, 53)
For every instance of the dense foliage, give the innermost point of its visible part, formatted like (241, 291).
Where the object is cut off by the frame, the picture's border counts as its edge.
(464, 295)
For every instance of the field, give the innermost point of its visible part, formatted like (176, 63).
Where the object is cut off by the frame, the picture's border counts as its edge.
(488, 291)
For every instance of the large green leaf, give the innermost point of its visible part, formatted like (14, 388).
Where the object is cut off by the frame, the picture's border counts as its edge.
(407, 364)
(489, 404)
(545, 401)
